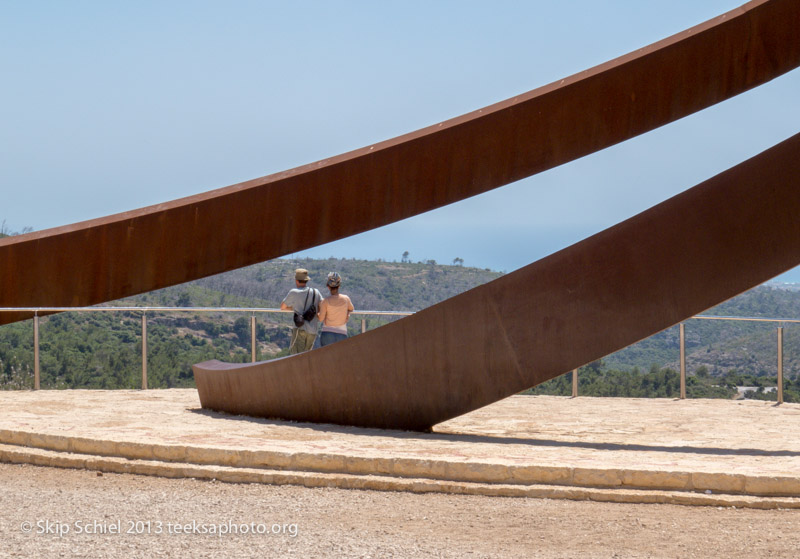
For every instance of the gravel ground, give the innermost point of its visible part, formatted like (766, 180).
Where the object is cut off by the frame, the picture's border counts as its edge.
(48, 513)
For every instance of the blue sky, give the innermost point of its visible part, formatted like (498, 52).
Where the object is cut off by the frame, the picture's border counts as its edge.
(107, 107)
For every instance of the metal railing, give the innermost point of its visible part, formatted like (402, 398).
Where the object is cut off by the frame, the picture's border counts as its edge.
(682, 339)
(745, 319)
(144, 310)
(253, 344)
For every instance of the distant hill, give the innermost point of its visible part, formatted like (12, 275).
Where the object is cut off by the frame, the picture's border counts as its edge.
(5, 231)
(722, 346)
(373, 285)
(103, 350)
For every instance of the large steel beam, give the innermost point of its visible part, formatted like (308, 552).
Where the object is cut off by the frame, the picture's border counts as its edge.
(624, 284)
(171, 243)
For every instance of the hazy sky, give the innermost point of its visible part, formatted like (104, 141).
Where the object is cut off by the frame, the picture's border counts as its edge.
(109, 106)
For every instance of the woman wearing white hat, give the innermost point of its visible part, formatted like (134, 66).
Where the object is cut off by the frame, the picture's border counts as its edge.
(334, 312)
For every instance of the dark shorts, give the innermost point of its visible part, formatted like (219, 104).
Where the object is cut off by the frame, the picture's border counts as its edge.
(326, 338)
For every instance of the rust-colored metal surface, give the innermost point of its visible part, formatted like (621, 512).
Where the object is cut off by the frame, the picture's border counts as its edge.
(613, 289)
(645, 274)
(150, 248)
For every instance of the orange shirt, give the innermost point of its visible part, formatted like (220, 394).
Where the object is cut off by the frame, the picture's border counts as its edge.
(335, 310)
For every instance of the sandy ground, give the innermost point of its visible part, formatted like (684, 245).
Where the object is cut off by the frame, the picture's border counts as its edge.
(46, 513)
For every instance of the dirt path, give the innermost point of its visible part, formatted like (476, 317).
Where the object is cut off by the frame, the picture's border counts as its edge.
(56, 505)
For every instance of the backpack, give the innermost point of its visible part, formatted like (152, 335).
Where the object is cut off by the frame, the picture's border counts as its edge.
(310, 312)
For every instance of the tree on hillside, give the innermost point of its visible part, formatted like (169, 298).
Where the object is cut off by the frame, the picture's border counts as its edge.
(6, 232)
(405, 259)
(457, 261)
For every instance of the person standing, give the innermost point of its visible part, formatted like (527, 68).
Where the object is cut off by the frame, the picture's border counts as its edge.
(334, 312)
(299, 300)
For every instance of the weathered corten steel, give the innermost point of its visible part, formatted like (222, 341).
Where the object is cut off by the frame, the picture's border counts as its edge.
(645, 274)
(150, 248)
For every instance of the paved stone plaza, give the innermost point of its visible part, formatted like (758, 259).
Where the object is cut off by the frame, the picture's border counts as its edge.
(738, 453)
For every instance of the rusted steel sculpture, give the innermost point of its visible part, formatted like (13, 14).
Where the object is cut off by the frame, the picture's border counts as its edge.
(424, 369)
(645, 274)
(175, 242)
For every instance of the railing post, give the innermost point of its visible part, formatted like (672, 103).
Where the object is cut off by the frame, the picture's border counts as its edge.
(144, 351)
(253, 338)
(363, 325)
(683, 362)
(36, 372)
(574, 383)
(780, 364)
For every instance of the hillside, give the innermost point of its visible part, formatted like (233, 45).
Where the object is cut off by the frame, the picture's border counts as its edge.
(722, 346)
(377, 286)
(104, 349)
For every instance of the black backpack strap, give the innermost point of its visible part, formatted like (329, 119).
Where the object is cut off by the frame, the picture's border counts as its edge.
(300, 313)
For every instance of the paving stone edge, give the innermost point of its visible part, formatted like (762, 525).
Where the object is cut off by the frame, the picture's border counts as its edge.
(415, 475)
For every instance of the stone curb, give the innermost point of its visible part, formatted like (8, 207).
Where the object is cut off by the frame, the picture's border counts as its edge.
(49, 458)
(433, 471)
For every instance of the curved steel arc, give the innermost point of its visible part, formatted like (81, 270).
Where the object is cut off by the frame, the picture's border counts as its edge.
(150, 248)
(641, 276)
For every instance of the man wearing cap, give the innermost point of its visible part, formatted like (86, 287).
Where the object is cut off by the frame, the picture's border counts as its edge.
(298, 300)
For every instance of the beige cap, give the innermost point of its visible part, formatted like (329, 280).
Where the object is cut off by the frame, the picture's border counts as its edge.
(301, 274)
